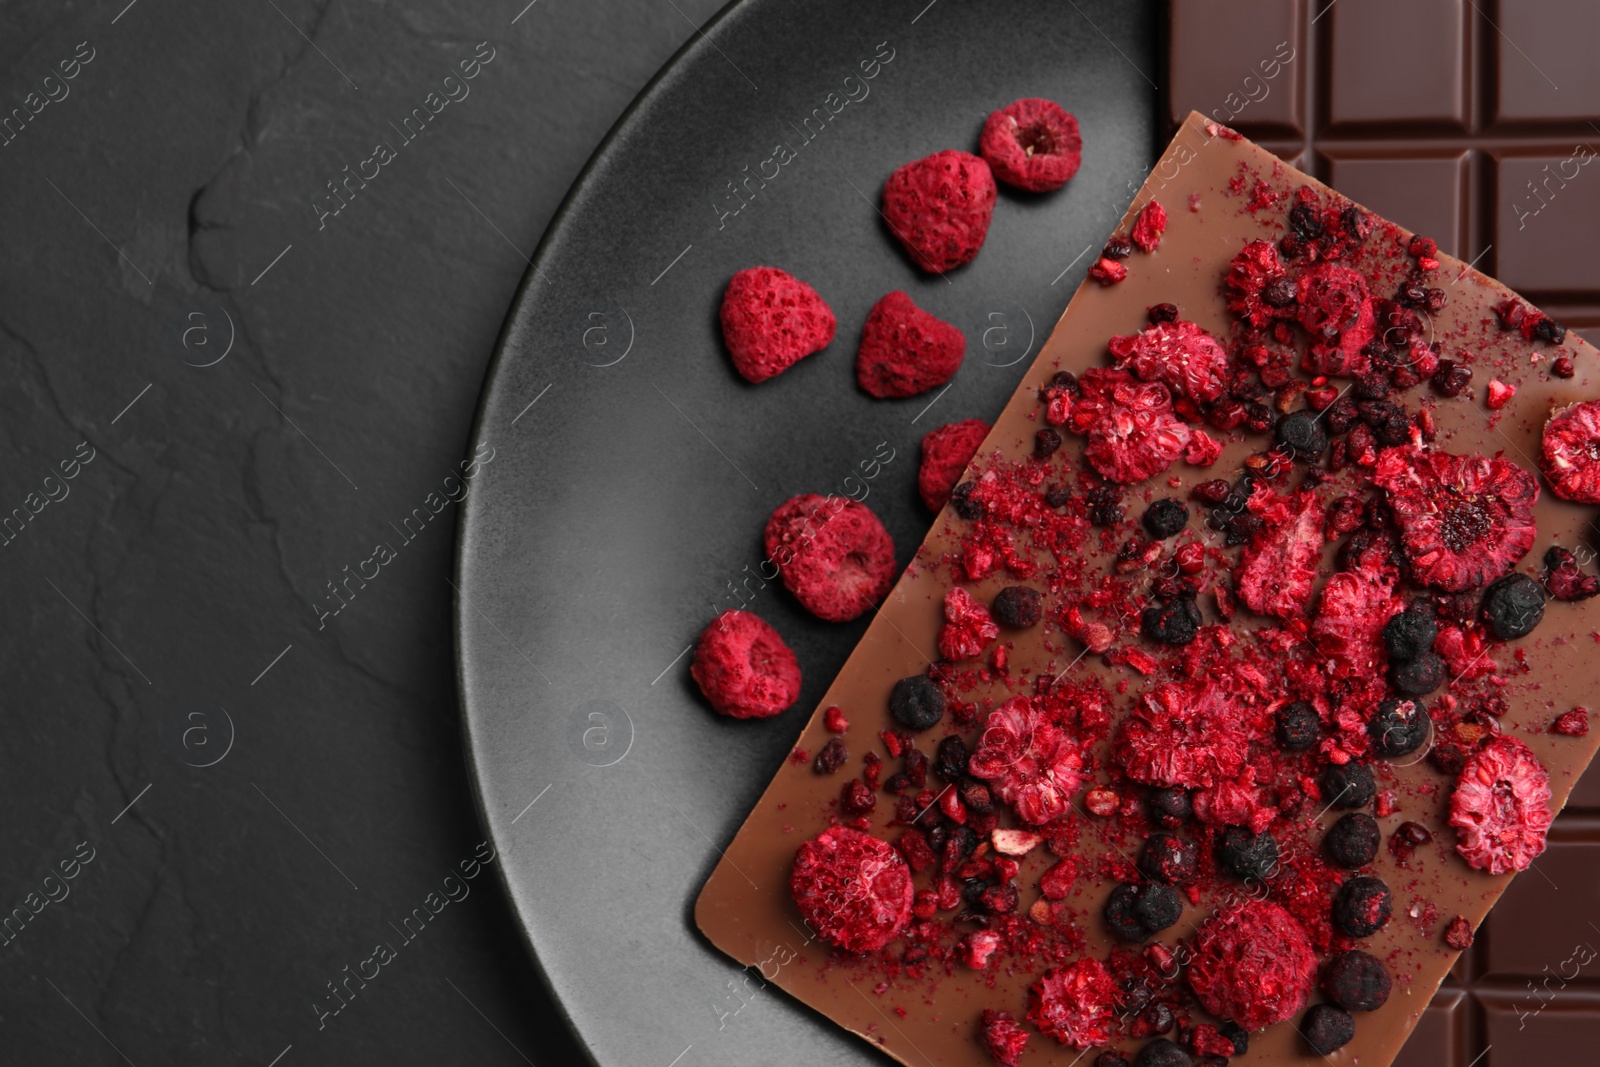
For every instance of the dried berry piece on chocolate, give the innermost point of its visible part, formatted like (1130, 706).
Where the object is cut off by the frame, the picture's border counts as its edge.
(1032, 144)
(1398, 728)
(1410, 634)
(1363, 907)
(1419, 677)
(1156, 1019)
(950, 759)
(771, 320)
(1348, 785)
(854, 890)
(1298, 726)
(1353, 841)
(1181, 354)
(1464, 519)
(1335, 306)
(1018, 607)
(1184, 734)
(1169, 807)
(1328, 1028)
(1357, 981)
(744, 668)
(1030, 760)
(1259, 289)
(906, 350)
(1074, 1004)
(1451, 378)
(1513, 606)
(967, 628)
(832, 756)
(1245, 855)
(1501, 807)
(916, 702)
(1574, 723)
(1137, 913)
(1133, 434)
(1174, 623)
(1564, 578)
(1105, 505)
(1252, 963)
(1166, 517)
(1458, 935)
(1149, 226)
(1002, 1037)
(857, 798)
(946, 451)
(1046, 442)
(1162, 1053)
(1169, 859)
(1110, 1059)
(1118, 247)
(1301, 433)
(939, 208)
(1238, 1035)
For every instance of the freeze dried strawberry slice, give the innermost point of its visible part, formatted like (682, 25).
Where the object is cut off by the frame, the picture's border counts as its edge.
(854, 890)
(771, 320)
(1336, 307)
(1258, 287)
(1571, 452)
(1074, 1004)
(1464, 519)
(1253, 963)
(1032, 144)
(1279, 565)
(1565, 579)
(832, 553)
(1181, 354)
(939, 208)
(1002, 1037)
(1031, 762)
(945, 454)
(904, 350)
(1354, 608)
(1501, 807)
(1149, 226)
(1132, 433)
(743, 667)
(1190, 734)
(967, 628)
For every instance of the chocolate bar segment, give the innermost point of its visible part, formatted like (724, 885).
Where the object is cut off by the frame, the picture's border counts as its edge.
(1219, 193)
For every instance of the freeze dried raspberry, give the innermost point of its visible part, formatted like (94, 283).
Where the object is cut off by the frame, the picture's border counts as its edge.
(1258, 287)
(1458, 935)
(832, 553)
(1032, 144)
(1252, 963)
(1501, 807)
(1149, 226)
(744, 668)
(1032, 762)
(771, 320)
(833, 719)
(1132, 433)
(1184, 356)
(1570, 453)
(1499, 395)
(1574, 723)
(967, 628)
(1279, 565)
(945, 455)
(1002, 1037)
(1183, 734)
(905, 350)
(853, 890)
(1074, 1004)
(939, 207)
(1464, 519)
(1563, 578)
(1336, 308)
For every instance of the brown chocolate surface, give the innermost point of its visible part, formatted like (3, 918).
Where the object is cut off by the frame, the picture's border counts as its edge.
(1442, 115)
(745, 908)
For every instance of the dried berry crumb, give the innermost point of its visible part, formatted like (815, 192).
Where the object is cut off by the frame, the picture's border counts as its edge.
(967, 628)
(1563, 577)
(1107, 271)
(1149, 226)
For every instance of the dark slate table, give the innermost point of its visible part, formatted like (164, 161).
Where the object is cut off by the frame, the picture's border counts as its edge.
(238, 348)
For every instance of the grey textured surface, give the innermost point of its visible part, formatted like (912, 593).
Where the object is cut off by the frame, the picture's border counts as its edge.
(633, 469)
(145, 201)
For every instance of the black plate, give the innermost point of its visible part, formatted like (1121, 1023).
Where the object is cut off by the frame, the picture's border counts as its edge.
(623, 508)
